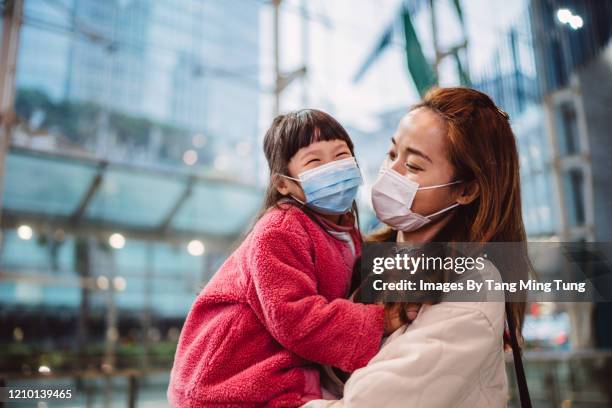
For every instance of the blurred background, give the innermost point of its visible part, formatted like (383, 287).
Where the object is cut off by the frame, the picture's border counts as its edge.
(131, 160)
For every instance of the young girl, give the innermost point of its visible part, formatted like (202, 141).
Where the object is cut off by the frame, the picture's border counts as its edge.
(277, 306)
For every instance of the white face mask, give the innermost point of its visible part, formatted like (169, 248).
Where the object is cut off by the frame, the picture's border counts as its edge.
(392, 197)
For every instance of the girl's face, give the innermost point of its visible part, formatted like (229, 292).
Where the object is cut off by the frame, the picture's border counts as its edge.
(309, 157)
(418, 152)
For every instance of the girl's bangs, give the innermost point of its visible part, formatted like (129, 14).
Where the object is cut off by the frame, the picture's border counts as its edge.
(316, 126)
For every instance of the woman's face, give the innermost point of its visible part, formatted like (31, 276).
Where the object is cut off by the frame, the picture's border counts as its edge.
(418, 151)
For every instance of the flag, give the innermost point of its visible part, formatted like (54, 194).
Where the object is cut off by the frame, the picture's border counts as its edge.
(384, 42)
(420, 70)
(457, 5)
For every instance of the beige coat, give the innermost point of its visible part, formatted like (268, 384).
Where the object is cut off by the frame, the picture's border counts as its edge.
(450, 356)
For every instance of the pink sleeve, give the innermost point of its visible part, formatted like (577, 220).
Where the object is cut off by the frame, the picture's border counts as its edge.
(284, 295)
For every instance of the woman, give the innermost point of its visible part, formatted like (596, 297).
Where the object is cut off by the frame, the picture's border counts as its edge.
(460, 147)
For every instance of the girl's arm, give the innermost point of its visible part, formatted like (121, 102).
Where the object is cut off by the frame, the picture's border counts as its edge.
(284, 295)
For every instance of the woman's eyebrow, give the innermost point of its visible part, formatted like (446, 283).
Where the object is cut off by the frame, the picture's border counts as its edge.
(418, 153)
(414, 151)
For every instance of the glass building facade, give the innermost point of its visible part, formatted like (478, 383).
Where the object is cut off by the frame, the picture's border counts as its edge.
(142, 81)
(116, 100)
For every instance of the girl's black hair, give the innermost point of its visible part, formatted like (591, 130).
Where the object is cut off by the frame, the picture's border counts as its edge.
(289, 133)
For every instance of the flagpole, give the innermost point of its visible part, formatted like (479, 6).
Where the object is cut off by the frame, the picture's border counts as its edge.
(277, 76)
(282, 80)
(434, 34)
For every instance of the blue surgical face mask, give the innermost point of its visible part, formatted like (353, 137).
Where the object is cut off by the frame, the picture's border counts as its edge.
(332, 187)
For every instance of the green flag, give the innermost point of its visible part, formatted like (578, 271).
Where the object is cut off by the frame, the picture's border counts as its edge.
(457, 5)
(420, 70)
(382, 44)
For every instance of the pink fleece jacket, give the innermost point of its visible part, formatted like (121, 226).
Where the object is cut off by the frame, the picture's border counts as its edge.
(274, 309)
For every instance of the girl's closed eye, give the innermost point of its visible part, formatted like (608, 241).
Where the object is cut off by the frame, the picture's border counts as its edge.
(313, 160)
(343, 154)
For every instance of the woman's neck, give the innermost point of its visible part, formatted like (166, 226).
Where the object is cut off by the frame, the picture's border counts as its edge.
(426, 233)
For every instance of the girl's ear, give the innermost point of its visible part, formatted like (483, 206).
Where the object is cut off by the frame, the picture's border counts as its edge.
(282, 185)
(469, 193)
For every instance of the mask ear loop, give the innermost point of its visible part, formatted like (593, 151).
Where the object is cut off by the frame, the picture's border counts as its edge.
(444, 209)
(300, 184)
(297, 199)
(287, 177)
(441, 185)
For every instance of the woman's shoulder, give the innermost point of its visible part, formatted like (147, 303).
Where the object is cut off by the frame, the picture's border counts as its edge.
(451, 323)
(488, 299)
(490, 271)
(491, 313)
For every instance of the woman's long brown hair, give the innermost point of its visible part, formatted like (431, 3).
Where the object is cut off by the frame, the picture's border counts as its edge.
(481, 148)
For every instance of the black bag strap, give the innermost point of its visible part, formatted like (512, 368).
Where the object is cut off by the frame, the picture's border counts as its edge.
(521, 380)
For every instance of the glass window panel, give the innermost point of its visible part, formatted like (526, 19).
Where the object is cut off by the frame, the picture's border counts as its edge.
(7, 292)
(176, 259)
(18, 253)
(65, 260)
(549, 194)
(28, 293)
(46, 255)
(61, 296)
(132, 258)
(542, 203)
(173, 297)
(125, 197)
(173, 304)
(567, 125)
(218, 209)
(133, 297)
(41, 67)
(574, 196)
(39, 185)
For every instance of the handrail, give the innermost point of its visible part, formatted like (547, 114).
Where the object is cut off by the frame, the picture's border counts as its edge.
(132, 376)
(563, 355)
(87, 374)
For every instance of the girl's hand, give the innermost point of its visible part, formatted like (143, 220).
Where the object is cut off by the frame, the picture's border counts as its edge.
(399, 314)
(393, 320)
(412, 310)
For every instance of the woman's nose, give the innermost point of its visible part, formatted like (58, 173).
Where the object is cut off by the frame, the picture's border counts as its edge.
(397, 165)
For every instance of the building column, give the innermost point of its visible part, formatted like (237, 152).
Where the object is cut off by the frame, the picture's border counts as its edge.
(9, 47)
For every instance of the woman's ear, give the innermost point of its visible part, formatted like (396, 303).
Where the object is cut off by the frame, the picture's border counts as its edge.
(469, 192)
